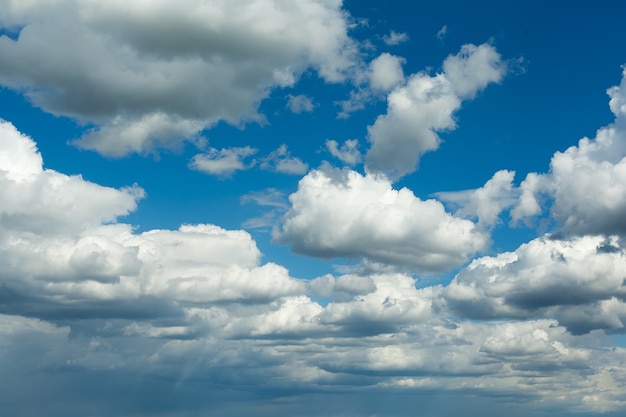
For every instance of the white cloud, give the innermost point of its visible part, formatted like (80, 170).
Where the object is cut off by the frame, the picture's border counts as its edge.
(547, 278)
(223, 162)
(348, 153)
(425, 105)
(62, 248)
(473, 68)
(340, 213)
(395, 38)
(155, 75)
(357, 101)
(42, 200)
(394, 302)
(485, 203)
(280, 160)
(386, 72)
(300, 103)
(381, 75)
(586, 183)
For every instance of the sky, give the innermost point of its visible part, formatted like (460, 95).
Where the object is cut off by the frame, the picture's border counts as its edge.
(312, 208)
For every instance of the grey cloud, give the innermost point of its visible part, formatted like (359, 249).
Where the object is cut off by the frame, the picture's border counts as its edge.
(533, 283)
(154, 77)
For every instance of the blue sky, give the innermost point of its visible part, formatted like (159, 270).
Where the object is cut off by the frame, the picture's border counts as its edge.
(312, 208)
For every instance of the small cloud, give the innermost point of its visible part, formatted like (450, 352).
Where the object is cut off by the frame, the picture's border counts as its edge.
(385, 72)
(270, 197)
(395, 38)
(442, 32)
(300, 103)
(357, 101)
(281, 161)
(265, 221)
(222, 162)
(348, 153)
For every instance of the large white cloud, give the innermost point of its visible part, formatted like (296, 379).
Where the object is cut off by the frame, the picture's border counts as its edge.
(61, 247)
(586, 184)
(581, 282)
(340, 213)
(154, 74)
(45, 201)
(425, 105)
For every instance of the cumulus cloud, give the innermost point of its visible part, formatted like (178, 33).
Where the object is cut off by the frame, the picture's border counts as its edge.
(425, 105)
(223, 162)
(395, 38)
(586, 184)
(62, 250)
(193, 310)
(300, 103)
(386, 72)
(576, 281)
(154, 76)
(347, 153)
(281, 161)
(47, 202)
(340, 213)
(381, 75)
(487, 202)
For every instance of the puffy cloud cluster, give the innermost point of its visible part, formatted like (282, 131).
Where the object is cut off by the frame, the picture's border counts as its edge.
(580, 282)
(61, 248)
(341, 213)
(154, 76)
(425, 105)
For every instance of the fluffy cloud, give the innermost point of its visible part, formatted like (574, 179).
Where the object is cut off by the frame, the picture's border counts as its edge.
(425, 105)
(62, 250)
(473, 68)
(222, 162)
(386, 72)
(395, 38)
(153, 76)
(47, 202)
(280, 160)
(300, 103)
(485, 203)
(340, 213)
(580, 282)
(586, 184)
(346, 153)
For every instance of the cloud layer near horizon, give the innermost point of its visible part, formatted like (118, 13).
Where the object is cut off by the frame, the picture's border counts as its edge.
(165, 299)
